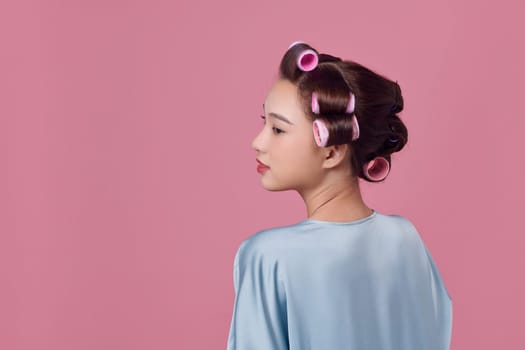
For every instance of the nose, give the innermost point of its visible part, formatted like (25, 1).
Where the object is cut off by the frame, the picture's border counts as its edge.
(257, 141)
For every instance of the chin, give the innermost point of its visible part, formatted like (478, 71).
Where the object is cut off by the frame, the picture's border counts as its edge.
(273, 187)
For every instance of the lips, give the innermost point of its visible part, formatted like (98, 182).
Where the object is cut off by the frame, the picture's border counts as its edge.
(261, 163)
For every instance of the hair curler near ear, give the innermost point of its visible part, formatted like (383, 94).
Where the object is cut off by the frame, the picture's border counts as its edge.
(320, 133)
(307, 60)
(355, 128)
(377, 169)
(315, 103)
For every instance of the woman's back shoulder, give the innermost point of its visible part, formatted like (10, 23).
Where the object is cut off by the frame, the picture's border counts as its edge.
(310, 233)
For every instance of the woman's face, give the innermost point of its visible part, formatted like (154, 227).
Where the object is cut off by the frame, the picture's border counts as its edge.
(286, 142)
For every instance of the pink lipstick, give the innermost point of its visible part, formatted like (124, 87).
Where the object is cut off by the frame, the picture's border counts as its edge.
(261, 167)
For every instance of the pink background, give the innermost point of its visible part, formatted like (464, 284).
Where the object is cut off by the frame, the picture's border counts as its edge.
(128, 180)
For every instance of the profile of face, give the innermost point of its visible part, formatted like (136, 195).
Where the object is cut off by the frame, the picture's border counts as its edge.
(286, 142)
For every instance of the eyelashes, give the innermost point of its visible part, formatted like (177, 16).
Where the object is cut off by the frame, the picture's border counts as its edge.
(274, 129)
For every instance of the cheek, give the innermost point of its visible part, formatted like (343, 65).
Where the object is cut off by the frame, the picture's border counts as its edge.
(304, 157)
(297, 150)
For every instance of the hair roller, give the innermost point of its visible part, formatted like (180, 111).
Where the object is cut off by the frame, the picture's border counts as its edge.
(298, 59)
(355, 128)
(315, 103)
(320, 132)
(307, 60)
(377, 169)
(351, 103)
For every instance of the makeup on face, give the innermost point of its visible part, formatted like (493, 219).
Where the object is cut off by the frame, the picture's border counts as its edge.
(261, 167)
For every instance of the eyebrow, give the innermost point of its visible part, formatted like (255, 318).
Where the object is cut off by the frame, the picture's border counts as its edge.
(280, 117)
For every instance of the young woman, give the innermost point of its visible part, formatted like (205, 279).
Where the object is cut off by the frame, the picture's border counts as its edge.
(347, 277)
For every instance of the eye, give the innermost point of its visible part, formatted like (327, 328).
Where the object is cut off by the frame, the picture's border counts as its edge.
(274, 129)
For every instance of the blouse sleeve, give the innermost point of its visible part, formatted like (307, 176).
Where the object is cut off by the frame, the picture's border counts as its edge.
(259, 319)
(426, 303)
(442, 302)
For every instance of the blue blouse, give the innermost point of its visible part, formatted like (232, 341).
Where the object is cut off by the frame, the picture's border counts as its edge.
(321, 285)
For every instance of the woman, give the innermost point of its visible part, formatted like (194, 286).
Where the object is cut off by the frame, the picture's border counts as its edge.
(347, 277)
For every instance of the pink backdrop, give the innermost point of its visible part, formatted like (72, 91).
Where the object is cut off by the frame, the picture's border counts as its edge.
(128, 180)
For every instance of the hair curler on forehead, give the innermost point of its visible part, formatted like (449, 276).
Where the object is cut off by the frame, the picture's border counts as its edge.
(307, 59)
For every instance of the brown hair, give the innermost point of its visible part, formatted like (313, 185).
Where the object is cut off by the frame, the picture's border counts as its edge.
(377, 102)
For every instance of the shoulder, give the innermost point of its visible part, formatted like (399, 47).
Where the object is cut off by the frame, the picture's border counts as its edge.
(396, 222)
(268, 244)
(401, 232)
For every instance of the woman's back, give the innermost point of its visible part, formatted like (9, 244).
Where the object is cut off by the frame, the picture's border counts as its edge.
(365, 284)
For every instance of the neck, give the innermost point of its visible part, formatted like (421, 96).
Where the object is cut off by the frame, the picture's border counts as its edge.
(338, 201)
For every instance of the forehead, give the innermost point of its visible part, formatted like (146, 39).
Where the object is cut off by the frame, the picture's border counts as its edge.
(283, 98)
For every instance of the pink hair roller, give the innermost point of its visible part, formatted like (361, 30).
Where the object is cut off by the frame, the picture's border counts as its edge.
(350, 109)
(315, 103)
(320, 133)
(307, 60)
(355, 128)
(351, 104)
(377, 169)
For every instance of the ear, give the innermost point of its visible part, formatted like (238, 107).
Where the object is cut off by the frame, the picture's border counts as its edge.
(335, 155)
